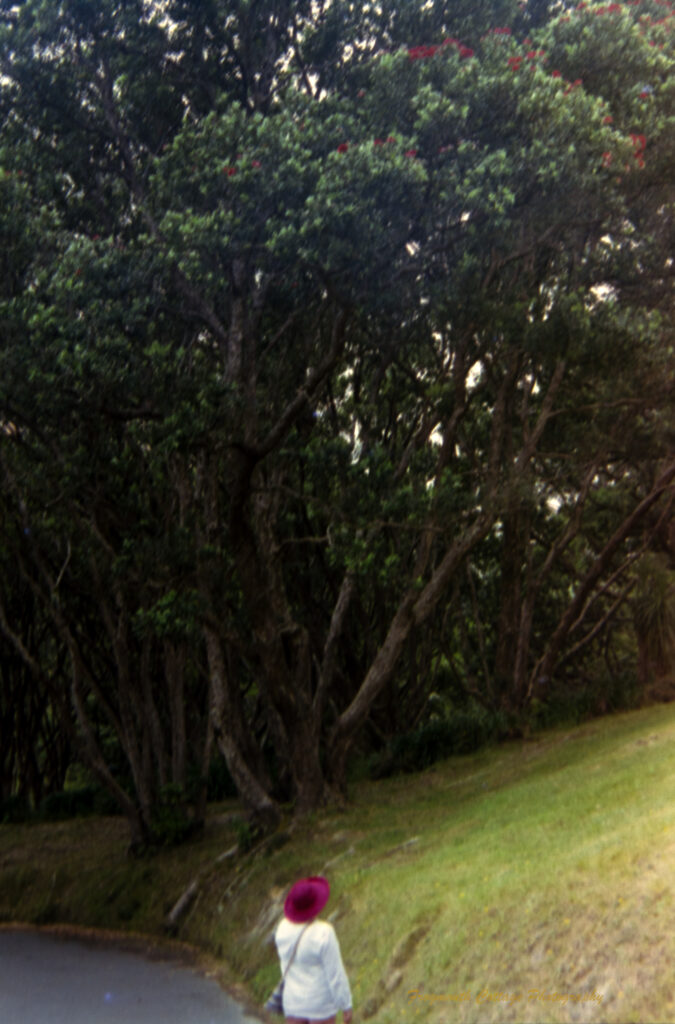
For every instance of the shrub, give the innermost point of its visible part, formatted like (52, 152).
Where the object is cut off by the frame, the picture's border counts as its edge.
(171, 824)
(568, 704)
(14, 810)
(220, 784)
(459, 731)
(69, 803)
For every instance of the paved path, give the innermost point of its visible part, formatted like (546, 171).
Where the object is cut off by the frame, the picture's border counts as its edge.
(46, 980)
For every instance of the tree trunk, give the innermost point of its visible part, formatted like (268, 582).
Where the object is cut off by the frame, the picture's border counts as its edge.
(140, 827)
(262, 809)
(174, 668)
(515, 542)
(413, 610)
(574, 613)
(308, 780)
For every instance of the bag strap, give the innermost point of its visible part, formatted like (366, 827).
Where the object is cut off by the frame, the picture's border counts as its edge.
(295, 949)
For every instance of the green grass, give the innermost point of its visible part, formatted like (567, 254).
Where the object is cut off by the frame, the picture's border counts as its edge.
(541, 866)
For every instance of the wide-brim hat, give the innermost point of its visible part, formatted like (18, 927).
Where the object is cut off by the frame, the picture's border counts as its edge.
(306, 899)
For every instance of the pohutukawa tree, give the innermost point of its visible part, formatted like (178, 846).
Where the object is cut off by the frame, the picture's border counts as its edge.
(307, 311)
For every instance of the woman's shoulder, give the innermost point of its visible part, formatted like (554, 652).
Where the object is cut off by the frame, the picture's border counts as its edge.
(286, 927)
(319, 930)
(322, 927)
(323, 932)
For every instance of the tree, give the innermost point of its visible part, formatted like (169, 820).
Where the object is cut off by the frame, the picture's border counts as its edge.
(306, 331)
(35, 741)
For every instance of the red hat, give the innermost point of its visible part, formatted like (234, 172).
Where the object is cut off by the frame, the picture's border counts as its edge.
(306, 899)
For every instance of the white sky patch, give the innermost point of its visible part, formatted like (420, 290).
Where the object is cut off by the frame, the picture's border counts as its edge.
(474, 376)
(602, 293)
(529, 384)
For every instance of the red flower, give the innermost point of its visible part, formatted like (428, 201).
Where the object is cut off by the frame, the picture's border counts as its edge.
(556, 74)
(391, 138)
(420, 52)
(501, 31)
(229, 171)
(378, 142)
(465, 51)
(343, 147)
(607, 119)
(411, 152)
(639, 144)
(255, 163)
(606, 159)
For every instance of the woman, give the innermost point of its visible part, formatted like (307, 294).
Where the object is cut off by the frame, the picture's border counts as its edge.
(316, 986)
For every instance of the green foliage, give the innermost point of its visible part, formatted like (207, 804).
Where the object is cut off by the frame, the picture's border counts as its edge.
(571, 703)
(245, 835)
(13, 810)
(70, 803)
(173, 615)
(63, 805)
(459, 731)
(654, 609)
(171, 823)
(330, 291)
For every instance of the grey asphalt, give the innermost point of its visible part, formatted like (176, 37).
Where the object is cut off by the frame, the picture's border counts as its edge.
(48, 980)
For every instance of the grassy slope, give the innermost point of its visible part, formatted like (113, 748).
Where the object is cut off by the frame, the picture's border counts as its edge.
(540, 866)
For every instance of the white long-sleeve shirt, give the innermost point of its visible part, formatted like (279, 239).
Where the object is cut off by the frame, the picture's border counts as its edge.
(316, 984)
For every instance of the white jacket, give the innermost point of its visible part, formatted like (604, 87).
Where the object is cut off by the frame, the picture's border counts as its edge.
(316, 984)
